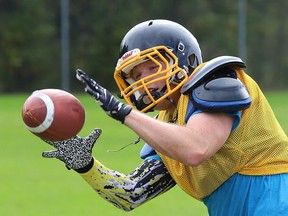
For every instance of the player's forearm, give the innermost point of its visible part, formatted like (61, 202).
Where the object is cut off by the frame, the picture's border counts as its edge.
(169, 139)
(183, 143)
(129, 191)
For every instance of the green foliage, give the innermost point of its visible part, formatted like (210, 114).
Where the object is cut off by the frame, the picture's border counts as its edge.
(29, 45)
(30, 37)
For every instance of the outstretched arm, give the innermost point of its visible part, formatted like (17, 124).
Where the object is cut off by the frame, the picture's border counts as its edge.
(127, 192)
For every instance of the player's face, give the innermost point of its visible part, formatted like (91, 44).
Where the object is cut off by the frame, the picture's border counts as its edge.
(146, 69)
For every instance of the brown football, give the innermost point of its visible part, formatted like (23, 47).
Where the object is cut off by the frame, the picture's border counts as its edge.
(53, 114)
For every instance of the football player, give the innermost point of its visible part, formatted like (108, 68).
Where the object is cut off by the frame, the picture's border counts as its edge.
(215, 135)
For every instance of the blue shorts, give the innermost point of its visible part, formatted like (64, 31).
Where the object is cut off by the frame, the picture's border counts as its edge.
(250, 195)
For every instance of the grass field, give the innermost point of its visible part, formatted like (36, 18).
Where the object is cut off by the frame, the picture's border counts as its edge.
(32, 185)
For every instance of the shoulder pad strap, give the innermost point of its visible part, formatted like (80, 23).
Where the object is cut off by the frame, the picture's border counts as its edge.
(209, 68)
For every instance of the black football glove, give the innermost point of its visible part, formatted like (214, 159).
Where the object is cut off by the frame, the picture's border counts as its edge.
(112, 106)
(75, 152)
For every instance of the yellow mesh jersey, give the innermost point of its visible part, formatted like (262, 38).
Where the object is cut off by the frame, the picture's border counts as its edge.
(258, 146)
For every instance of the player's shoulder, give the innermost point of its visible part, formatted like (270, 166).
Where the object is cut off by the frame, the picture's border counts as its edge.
(214, 86)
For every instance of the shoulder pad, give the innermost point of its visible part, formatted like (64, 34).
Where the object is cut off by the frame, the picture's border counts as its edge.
(224, 94)
(210, 68)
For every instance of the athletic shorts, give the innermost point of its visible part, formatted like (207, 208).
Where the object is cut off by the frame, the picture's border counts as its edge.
(243, 195)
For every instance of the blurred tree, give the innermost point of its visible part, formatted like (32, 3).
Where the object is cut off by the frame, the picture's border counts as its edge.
(30, 37)
(29, 44)
(268, 43)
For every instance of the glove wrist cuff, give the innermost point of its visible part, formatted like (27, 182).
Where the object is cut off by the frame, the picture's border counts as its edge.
(86, 168)
(125, 110)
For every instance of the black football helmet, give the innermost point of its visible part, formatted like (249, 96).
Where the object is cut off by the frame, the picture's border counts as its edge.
(152, 40)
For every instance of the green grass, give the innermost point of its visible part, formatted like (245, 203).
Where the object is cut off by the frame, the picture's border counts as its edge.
(279, 103)
(32, 185)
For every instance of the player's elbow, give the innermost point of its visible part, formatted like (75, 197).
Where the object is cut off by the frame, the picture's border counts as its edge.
(125, 208)
(195, 158)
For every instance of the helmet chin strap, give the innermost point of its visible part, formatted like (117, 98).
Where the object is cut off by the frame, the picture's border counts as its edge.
(141, 104)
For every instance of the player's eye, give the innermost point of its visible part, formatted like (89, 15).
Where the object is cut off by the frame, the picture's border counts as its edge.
(154, 68)
(136, 75)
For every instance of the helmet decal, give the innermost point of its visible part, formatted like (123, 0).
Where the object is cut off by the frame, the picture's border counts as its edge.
(127, 55)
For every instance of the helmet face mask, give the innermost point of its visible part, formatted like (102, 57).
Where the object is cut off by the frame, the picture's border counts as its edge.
(132, 90)
(167, 44)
